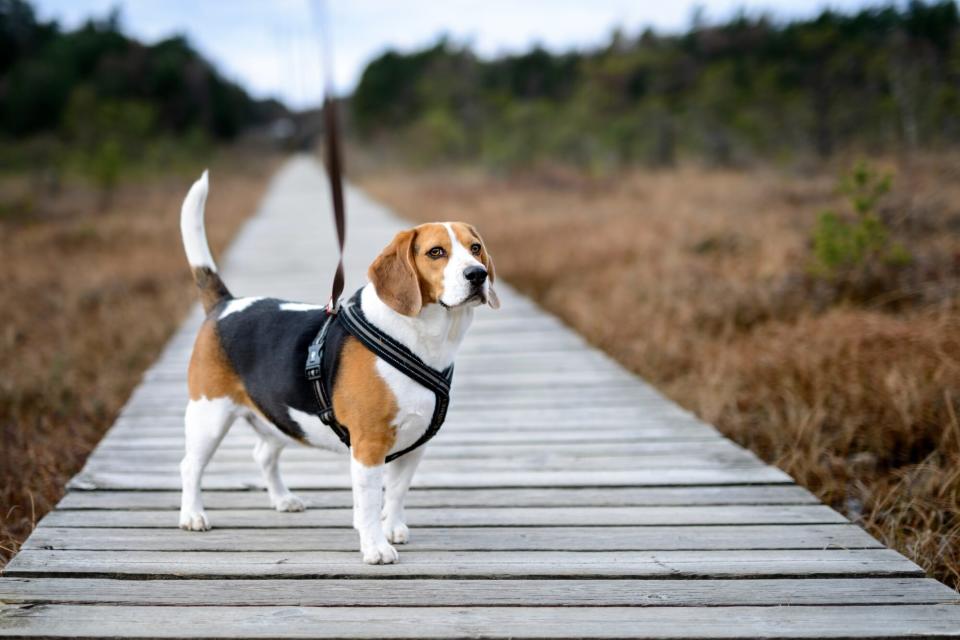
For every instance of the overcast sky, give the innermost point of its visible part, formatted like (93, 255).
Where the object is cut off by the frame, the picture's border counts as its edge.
(271, 46)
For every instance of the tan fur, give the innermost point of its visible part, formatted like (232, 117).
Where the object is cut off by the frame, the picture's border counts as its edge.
(394, 275)
(405, 276)
(210, 374)
(430, 270)
(364, 404)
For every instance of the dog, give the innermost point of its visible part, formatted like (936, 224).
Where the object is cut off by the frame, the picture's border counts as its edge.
(248, 363)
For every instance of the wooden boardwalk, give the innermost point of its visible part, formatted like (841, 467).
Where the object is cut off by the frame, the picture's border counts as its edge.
(564, 498)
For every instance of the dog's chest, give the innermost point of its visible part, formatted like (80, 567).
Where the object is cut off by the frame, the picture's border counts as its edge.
(414, 405)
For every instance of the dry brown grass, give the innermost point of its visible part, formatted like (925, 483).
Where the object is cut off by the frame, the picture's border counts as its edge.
(695, 279)
(87, 299)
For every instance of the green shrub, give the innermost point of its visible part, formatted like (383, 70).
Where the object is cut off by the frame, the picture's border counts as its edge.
(844, 244)
(104, 165)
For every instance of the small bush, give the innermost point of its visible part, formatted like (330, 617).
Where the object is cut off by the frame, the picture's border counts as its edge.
(845, 244)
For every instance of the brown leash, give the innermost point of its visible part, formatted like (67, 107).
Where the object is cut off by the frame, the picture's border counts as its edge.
(335, 175)
(334, 158)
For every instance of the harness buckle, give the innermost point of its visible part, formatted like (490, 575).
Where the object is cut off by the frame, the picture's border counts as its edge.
(314, 370)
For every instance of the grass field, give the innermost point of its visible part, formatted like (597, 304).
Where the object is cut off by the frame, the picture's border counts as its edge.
(700, 281)
(88, 296)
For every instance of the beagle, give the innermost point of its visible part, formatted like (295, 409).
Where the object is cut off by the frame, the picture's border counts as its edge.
(247, 362)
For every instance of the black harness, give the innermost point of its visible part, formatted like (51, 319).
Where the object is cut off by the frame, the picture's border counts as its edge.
(322, 363)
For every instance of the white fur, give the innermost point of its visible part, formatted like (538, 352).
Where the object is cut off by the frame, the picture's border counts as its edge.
(456, 288)
(399, 475)
(205, 423)
(191, 225)
(317, 433)
(237, 305)
(299, 306)
(267, 454)
(367, 500)
(434, 335)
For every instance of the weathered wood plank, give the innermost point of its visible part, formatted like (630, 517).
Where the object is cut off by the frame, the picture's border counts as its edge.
(463, 463)
(478, 592)
(244, 444)
(643, 452)
(486, 622)
(701, 564)
(266, 518)
(541, 497)
(426, 478)
(461, 539)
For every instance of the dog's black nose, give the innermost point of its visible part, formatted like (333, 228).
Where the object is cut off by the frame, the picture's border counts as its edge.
(475, 275)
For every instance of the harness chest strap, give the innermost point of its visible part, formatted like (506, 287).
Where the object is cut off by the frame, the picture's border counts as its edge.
(390, 350)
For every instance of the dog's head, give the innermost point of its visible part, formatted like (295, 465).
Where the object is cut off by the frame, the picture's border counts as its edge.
(446, 263)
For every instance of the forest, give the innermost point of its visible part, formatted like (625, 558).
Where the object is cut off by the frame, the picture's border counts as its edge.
(97, 100)
(750, 88)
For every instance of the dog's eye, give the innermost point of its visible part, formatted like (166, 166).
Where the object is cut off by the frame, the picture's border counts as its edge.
(436, 252)
(475, 249)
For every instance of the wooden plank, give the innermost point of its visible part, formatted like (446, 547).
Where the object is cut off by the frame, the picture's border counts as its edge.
(494, 417)
(700, 564)
(541, 497)
(173, 426)
(463, 463)
(447, 440)
(543, 415)
(266, 518)
(492, 378)
(560, 450)
(476, 479)
(486, 622)
(584, 432)
(478, 592)
(461, 539)
(490, 421)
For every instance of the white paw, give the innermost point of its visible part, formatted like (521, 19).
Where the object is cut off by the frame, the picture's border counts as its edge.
(194, 520)
(379, 553)
(396, 532)
(289, 502)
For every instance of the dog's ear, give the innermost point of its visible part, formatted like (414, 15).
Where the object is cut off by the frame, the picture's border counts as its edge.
(394, 275)
(492, 299)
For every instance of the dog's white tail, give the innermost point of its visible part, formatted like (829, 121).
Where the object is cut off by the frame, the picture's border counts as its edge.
(212, 289)
(191, 225)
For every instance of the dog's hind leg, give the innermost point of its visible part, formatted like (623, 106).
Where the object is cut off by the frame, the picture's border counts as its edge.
(205, 424)
(267, 454)
(399, 475)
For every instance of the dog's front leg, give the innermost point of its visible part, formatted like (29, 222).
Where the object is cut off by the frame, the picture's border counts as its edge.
(399, 476)
(367, 504)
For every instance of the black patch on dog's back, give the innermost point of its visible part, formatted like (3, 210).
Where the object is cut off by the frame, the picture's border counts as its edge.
(267, 347)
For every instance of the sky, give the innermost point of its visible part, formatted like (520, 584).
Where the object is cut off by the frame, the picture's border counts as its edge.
(273, 47)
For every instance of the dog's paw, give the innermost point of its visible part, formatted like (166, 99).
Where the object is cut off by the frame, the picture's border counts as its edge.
(379, 553)
(194, 521)
(396, 532)
(290, 503)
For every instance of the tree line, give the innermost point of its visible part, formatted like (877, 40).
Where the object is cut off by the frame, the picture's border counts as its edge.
(50, 79)
(880, 79)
